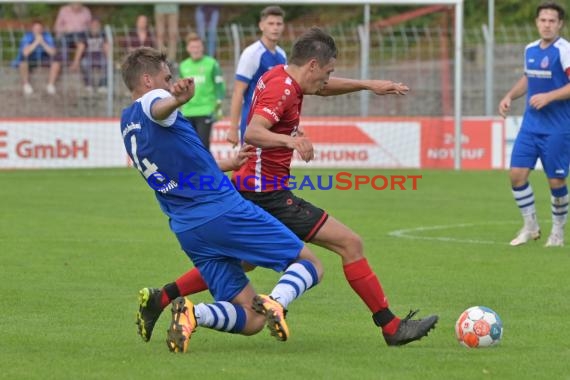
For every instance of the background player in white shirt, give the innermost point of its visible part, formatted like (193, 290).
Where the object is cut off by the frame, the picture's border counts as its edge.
(254, 61)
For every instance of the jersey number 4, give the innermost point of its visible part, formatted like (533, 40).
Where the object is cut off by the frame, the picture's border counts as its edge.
(147, 168)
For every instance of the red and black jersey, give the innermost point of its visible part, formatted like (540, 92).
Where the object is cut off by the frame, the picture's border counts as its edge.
(278, 98)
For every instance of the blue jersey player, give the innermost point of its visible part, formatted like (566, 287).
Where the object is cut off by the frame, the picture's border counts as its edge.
(545, 130)
(255, 60)
(214, 225)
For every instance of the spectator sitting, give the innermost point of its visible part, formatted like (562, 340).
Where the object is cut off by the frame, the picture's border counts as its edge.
(71, 23)
(37, 48)
(92, 51)
(140, 36)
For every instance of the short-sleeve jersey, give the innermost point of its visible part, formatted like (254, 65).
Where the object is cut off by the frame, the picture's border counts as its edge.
(279, 99)
(255, 61)
(546, 70)
(188, 184)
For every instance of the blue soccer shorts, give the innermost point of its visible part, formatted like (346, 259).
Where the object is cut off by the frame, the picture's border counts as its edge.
(244, 233)
(553, 151)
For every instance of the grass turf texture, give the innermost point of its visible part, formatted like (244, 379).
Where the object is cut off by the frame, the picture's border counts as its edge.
(76, 246)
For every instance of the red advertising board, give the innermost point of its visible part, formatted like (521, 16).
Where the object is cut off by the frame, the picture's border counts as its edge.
(438, 143)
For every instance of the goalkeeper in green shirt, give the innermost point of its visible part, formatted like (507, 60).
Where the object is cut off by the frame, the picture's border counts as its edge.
(206, 104)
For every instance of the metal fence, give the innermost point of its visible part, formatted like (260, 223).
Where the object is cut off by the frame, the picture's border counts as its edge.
(419, 57)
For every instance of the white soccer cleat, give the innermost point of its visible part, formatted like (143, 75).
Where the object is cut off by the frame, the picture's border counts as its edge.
(524, 236)
(555, 240)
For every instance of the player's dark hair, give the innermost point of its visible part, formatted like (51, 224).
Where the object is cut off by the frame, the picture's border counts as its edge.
(554, 6)
(272, 10)
(315, 43)
(144, 60)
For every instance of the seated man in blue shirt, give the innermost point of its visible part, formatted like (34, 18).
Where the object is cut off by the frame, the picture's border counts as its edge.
(37, 48)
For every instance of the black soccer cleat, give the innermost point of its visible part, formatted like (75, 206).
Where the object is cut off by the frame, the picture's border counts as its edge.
(149, 311)
(411, 329)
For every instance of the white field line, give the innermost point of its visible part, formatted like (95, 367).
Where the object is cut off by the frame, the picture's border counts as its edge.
(411, 233)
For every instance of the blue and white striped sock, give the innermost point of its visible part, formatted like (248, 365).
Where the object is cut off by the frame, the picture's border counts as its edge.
(297, 279)
(559, 199)
(221, 316)
(524, 196)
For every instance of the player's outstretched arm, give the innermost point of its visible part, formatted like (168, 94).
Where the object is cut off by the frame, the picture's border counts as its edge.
(182, 91)
(238, 159)
(339, 86)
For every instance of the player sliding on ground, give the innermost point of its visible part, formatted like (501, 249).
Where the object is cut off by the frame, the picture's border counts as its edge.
(273, 129)
(217, 229)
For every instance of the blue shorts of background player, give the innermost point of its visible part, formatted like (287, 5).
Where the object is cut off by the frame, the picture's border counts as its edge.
(246, 233)
(552, 149)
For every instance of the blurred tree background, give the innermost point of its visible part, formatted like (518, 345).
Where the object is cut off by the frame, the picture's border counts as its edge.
(508, 12)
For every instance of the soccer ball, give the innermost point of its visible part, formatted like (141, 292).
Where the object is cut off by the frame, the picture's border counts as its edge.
(478, 327)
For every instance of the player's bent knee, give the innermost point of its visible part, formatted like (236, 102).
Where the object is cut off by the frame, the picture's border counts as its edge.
(518, 176)
(352, 247)
(356, 243)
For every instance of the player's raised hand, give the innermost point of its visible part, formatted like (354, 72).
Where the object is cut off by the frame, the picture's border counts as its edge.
(388, 87)
(183, 89)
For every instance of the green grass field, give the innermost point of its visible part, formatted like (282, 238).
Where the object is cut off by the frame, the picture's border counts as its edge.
(77, 245)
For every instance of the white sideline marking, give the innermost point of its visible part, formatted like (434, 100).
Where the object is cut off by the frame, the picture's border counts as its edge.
(408, 233)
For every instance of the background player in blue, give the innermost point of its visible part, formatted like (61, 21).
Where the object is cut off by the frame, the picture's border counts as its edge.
(545, 130)
(215, 226)
(254, 61)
